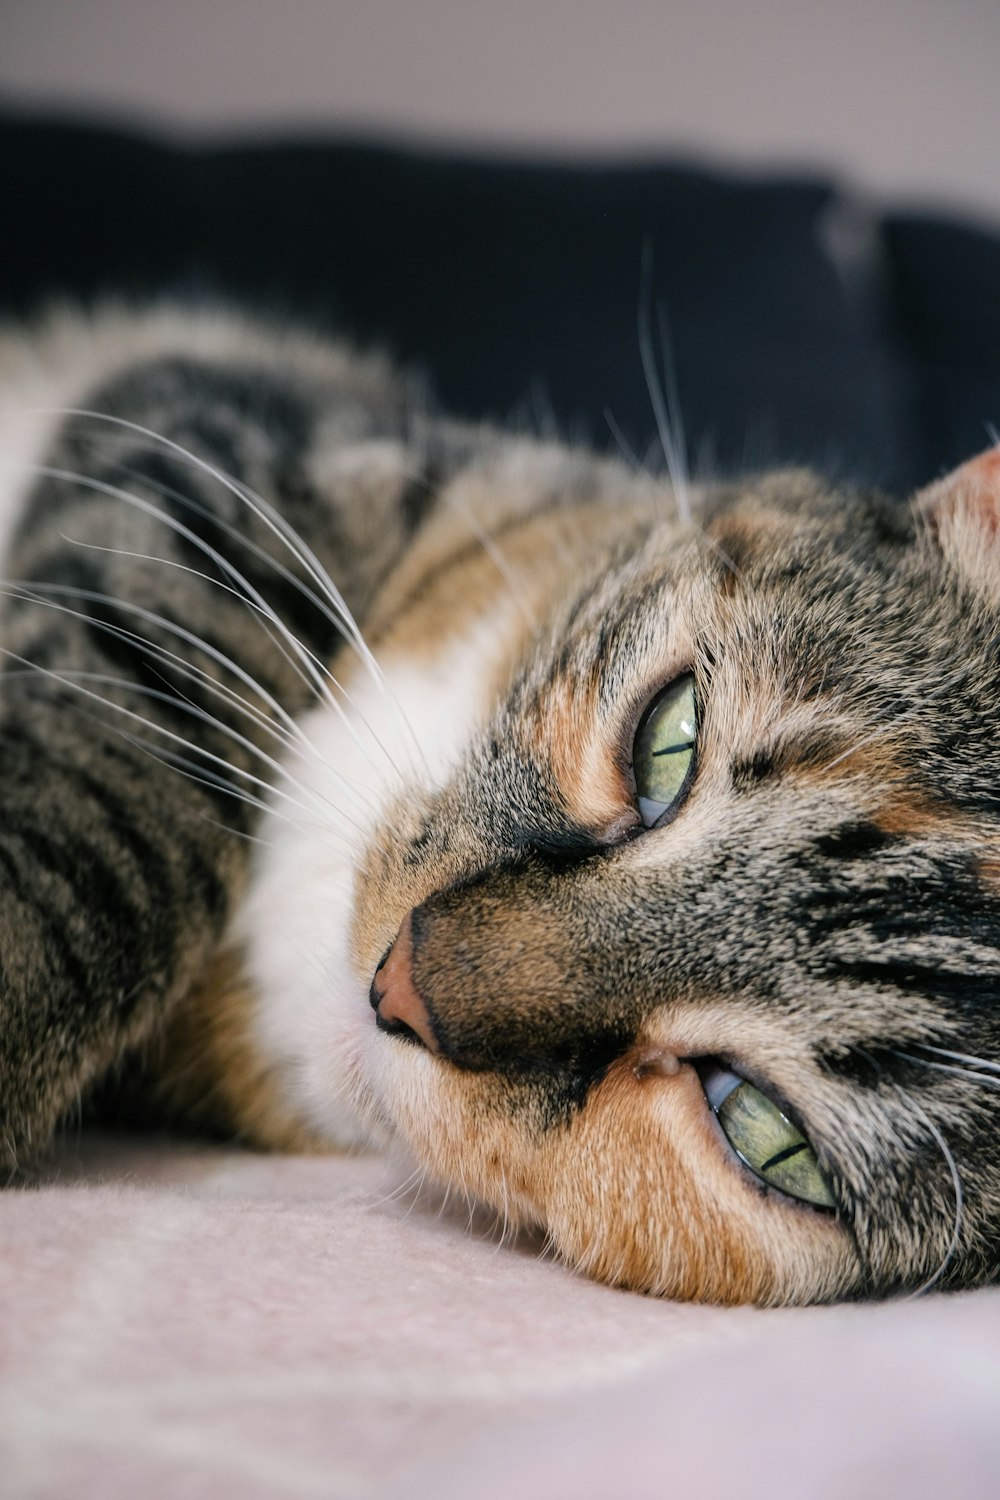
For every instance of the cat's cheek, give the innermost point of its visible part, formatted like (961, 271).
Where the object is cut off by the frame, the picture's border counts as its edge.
(645, 1195)
(635, 1189)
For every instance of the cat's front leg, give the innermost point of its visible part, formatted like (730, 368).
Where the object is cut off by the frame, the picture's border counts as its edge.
(115, 879)
(167, 614)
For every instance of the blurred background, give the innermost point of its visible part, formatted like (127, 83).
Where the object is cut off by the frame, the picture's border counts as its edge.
(900, 96)
(786, 210)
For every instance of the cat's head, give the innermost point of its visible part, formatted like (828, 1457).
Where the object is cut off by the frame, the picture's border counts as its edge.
(685, 931)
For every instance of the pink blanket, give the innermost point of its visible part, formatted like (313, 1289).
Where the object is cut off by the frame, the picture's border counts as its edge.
(185, 1321)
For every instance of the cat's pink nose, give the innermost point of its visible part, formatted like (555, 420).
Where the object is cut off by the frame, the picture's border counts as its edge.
(398, 1007)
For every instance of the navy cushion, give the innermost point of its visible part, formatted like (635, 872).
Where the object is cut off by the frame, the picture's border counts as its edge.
(519, 285)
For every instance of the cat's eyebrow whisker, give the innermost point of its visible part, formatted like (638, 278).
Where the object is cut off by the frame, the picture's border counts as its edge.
(627, 451)
(673, 404)
(672, 443)
(964, 1057)
(629, 454)
(971, 1075)
(498, 560)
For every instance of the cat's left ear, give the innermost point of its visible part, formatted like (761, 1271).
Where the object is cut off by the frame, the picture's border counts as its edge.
(962, 512)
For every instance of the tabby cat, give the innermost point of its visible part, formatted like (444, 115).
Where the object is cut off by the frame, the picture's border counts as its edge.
(368, 775)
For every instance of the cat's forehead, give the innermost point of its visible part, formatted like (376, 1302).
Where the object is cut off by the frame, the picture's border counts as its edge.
(825, 638)
(788, 585)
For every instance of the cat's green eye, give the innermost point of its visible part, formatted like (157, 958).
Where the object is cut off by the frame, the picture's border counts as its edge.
(764, 1139)
(663, 750)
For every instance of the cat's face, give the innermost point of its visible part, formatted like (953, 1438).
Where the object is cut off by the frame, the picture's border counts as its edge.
(691, 888)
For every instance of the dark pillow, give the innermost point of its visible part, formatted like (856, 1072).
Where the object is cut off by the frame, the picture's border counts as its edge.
(516, 284)
(944, 286)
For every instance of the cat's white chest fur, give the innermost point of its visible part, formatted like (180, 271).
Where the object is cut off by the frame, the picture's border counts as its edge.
(407, 728)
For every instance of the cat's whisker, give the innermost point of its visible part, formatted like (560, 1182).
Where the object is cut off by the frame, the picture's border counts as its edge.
(399, 1191)
(310, 811)
(956, 1179)
(934, 1131)
(319, 678)
(196, 772)
(35, 593)
(962, 1057)
(306, 669)
(192, 771)
(505, 1210)
(186, 668)
(291, 733)
(241, 833)
(415, 1194)
(984, 1080)
(671, 442)
(68, 680)
(260, 507)
(280, 527)
(443, 1205)
(168, 491)
(175, 700)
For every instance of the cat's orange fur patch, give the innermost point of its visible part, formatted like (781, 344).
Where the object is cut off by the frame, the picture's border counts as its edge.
(570, 739)
(634, 1188)
(988, 869)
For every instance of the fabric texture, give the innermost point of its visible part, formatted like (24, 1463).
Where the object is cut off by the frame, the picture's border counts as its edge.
(184, 1321)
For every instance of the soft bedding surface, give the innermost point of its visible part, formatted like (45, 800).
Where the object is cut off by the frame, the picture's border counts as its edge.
(186, 1320)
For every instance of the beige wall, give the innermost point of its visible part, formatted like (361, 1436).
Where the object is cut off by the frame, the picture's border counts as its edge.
(901, 95)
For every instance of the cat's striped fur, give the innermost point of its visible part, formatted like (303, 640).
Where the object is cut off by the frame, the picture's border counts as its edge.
(208, 843)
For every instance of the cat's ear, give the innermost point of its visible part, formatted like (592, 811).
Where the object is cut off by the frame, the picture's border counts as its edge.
(962, 514)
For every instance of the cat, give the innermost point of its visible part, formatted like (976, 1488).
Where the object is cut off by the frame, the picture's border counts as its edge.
(368, 775)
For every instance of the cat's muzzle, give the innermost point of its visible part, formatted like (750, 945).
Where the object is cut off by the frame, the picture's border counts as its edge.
(398, 1008)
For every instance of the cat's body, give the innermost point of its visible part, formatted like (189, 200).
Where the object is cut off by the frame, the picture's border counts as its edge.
(452, 893)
